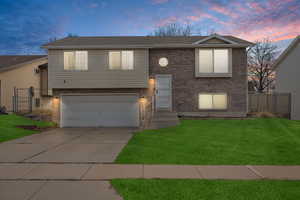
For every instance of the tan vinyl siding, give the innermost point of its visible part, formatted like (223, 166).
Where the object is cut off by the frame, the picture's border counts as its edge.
(98, 74)
(22, 77)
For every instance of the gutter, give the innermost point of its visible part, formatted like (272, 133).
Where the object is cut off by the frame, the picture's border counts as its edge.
(166, 46)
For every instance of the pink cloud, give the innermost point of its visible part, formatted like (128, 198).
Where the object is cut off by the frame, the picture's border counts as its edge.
(167, 20)
(193, 18)
(269, 30)
(224, 11)
(257, 7)
(273, 19)
(159, 1)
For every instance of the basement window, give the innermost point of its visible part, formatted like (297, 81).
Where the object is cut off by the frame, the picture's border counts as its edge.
(213, 101)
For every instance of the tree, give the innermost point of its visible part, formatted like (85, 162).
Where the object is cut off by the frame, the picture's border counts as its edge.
(261, 57)
(173, 29)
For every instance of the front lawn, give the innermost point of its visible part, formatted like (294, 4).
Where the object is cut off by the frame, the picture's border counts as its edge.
(218, 142)
(9, 131)
(207, 189)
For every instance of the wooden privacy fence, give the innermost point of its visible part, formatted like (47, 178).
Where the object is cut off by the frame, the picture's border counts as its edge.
(277, 103)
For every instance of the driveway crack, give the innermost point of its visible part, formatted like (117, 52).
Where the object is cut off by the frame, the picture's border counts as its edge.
(50, 148)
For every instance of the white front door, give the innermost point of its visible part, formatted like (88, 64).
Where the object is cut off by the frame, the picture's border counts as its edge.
(163, 92)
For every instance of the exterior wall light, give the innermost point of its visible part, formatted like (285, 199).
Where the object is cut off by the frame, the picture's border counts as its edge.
(151, 81)
(143, 100)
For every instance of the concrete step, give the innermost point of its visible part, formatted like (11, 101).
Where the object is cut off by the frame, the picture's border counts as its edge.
(165, 114)
(158, 125)
(163, 119)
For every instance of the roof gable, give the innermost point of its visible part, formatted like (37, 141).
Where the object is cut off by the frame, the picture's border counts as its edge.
(287, 51)
(215, 39)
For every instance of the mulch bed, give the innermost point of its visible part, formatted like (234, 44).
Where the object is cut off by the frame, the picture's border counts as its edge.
(33, 127)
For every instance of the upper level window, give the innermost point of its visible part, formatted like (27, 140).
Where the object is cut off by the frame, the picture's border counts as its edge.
(213, 61)
(122, 60)
(76, 60)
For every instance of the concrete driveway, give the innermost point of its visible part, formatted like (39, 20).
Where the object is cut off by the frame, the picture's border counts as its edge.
(62, 154)
(72, 145)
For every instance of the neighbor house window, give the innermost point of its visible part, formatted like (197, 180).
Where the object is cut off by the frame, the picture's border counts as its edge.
(76, 60)
(122, 60)
(213, 101)
(213, 61)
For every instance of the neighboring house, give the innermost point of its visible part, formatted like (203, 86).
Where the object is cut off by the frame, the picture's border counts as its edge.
(122, 81)
(287, 75)
(22, 72)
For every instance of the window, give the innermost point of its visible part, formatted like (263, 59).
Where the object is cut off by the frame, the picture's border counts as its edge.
(213, 61)
(76, 60)
(216, 101)
(122, 60)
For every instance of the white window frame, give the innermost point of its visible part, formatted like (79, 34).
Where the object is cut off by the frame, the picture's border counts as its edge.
(212, 94)
(212, 74)
(121, 64)
(75, 67)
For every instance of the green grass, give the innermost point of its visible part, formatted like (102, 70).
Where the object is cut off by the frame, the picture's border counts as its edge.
(216, 142)
(137, 189)
(8, 130)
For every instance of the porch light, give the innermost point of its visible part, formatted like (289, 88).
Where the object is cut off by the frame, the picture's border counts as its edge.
(143, 100)
(55, 100)
(151, 81)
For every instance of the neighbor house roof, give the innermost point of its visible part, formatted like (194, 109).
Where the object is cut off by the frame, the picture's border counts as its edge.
(8, 62)
(287, 51)
(142, 42)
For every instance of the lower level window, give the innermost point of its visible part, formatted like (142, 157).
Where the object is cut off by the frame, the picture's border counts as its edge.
(213, 101)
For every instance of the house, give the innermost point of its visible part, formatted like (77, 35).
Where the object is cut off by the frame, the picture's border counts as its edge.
(124, 81)
(22, 72)
(287, 75)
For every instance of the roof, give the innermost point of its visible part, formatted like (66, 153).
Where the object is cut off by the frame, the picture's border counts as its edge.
(287, 51)
(139, 41)
(8, 62)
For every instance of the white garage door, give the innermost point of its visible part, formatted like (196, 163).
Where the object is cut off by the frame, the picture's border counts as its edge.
(100, 111)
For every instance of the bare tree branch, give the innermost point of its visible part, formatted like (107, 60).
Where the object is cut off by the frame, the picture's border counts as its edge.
(261, 57)
(174, 29)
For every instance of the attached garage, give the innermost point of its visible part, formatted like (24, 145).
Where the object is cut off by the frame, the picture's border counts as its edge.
(99, 110)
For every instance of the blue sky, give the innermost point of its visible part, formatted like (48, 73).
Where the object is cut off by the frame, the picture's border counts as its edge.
(26, 24)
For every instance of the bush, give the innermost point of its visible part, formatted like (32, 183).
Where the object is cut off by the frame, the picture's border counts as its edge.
(265, 115)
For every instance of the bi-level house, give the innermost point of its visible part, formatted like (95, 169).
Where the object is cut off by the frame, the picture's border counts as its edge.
(124, 81)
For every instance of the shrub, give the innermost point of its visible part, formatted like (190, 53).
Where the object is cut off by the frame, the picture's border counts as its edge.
(265, 115)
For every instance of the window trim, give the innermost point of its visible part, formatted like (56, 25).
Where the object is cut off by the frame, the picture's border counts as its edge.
(213, 74)
(213, 93)
(120, 69)
(76, 70)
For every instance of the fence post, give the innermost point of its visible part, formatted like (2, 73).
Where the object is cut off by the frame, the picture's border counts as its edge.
(276, 102)
(290, 105)
(15, 100)
(30, 97)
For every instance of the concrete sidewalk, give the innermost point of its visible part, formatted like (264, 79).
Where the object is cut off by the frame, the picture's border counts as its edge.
(88, 172)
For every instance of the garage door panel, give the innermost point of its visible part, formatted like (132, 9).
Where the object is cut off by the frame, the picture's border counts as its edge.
(98, 111)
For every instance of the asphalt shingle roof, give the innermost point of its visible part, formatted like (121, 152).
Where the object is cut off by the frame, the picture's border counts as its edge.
(135, 40)
(7, 61)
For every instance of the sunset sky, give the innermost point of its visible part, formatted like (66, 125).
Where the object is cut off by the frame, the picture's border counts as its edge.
(26, 24)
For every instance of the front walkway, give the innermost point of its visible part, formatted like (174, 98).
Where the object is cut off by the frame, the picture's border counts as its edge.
(92, 172)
